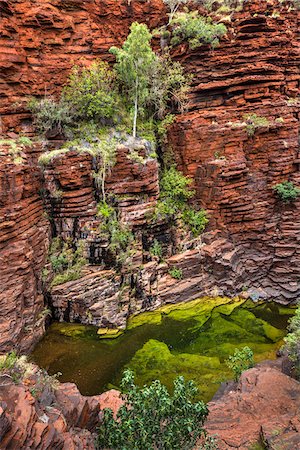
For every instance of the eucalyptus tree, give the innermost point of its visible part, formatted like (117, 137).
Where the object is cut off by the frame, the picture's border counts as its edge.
(134, 63)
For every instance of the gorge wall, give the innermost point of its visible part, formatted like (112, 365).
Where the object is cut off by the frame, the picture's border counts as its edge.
(251, 243)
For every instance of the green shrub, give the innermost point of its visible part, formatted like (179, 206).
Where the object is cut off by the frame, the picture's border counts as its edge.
(292, 341)
(196, 30)
(253, 122)
(241, 360)
(66, 262)
(151, 418)
(286, 191)
(156, 249)
(91, 92)
(175, 191)
(175, 187)
(195, 220)
(49, 114)
(176, 273)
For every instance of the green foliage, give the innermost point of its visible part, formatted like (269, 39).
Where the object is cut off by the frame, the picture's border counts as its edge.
(14, 367)
(176, 273)
(254, 122)
(173, 6)
(16, 146)
(175, 187)
(241, 360)
(163, 126)
(196, 30)
(286, 191)
(66, 262)
(91, 92)
(156, 249)
(50, 114)
(134, 62)
(105, 150)
(104, 210)
(153, 419)
(119, 235)
(195, 220)
(169, 85)
(8, 361)
(175, 191)
(292, 341)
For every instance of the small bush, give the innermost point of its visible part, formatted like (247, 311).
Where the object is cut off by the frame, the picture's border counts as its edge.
(196, 30)
(156, 249)
(51, 115)
(66, 262)
(176, 273)
(91, 93)
(287, 191)
(195, 220)
(241, 360)
(151, 418)
(175, 187)
(292, 341)
(253, 122)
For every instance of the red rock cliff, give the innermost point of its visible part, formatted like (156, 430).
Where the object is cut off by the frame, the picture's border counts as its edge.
(254, 71)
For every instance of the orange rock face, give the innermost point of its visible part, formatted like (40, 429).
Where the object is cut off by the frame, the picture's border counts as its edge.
(41, 42)
(24, 242)
(264, 406)
(256, 71)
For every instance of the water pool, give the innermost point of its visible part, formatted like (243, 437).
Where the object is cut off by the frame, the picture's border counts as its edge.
(192, 339)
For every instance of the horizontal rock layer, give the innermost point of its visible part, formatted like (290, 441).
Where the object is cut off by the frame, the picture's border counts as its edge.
(24, 240)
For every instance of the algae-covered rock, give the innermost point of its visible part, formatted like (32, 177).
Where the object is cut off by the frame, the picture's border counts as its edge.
(156, 360)
(109, 333)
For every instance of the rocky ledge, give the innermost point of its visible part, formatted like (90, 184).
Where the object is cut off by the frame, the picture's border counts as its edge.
(262, 407)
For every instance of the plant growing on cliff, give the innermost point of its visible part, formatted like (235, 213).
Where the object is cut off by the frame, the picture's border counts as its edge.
(151, 418)
(50, 114)
(254, 122)
(286, 191)
(175, 192)
(196, 30)
(173, 6)
(104, 152)
(292, 341)
(92, 94)
(66, 262)
(134, 62)
(119, 235)
(241, 360)
(176, 273)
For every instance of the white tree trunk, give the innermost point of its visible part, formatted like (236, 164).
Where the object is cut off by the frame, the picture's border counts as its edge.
(135, 108)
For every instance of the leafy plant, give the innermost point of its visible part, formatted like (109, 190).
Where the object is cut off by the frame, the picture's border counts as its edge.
(195, 220)
(196, 30)
(151, 418)
(241, 360)
(292, 341)
(176, 273)
(175, 191)
(91, 93)
(119, 235)
(173, 6)
(253, 122)
(66, 262)
(286, 191)
(156, 249)
(50, 114)
(175, 187)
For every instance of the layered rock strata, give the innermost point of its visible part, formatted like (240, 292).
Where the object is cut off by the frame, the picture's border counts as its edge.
(24, 240)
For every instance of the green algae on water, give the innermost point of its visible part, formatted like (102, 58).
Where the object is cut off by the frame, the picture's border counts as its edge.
(192, 339)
